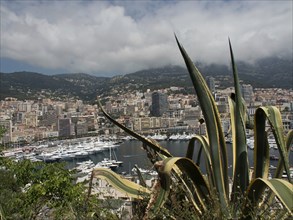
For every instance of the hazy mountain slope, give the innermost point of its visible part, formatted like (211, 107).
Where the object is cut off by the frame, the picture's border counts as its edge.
(270, 72)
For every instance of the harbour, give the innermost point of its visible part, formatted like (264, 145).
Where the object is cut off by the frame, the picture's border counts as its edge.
(118, 154)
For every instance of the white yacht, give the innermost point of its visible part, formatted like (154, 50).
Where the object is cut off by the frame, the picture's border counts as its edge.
(159, 137)
(81, 154)
(174, 137)
(106, 163)
(250, 143)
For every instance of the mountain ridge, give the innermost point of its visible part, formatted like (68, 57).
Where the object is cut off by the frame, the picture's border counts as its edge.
(271, 72)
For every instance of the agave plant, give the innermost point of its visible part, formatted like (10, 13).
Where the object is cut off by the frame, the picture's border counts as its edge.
(181, 179)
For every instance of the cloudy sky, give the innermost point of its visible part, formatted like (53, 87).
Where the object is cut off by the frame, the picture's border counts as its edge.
(107, 38)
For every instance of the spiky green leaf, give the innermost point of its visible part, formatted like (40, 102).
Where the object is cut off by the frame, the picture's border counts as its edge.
(201, 194)
(126, 186)
(140, 177)
(289, 143)
(152, 144)
(281, 188)
(273, 115)
(215, 134)
(240, 176)
(203, 143)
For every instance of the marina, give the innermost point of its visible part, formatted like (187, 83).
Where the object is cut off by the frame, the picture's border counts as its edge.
(120, 155)
(68, 150)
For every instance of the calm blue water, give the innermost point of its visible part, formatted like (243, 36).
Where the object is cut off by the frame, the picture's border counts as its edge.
(131, 153)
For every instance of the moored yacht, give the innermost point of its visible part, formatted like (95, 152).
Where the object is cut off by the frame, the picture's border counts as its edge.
(250, 143)
(81, 154)
(107, 163)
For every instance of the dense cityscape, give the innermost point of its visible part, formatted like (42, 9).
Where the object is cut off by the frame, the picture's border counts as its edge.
(166, 111)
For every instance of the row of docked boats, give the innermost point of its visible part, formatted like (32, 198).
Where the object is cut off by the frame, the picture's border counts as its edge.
(164, 137)
(134, 170)
(180, 137)
(84, 169)
(271, 141)
(63, 151)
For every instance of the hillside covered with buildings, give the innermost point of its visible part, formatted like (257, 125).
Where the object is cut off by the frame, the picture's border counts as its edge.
(168, 111)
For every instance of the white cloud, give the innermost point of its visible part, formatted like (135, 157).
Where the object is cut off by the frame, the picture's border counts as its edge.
(122, 37)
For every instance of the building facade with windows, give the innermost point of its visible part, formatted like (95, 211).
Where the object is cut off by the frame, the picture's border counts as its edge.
(159, 104)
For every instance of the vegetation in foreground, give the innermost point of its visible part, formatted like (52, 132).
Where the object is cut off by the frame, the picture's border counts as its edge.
(37, 190)
(183, 191)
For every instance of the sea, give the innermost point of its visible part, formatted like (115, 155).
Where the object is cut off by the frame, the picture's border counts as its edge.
(132, 153)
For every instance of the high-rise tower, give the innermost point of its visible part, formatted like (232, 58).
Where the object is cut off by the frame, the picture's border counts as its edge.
(159, 104)
(211, 84)
(247, 93)
(64, 127)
